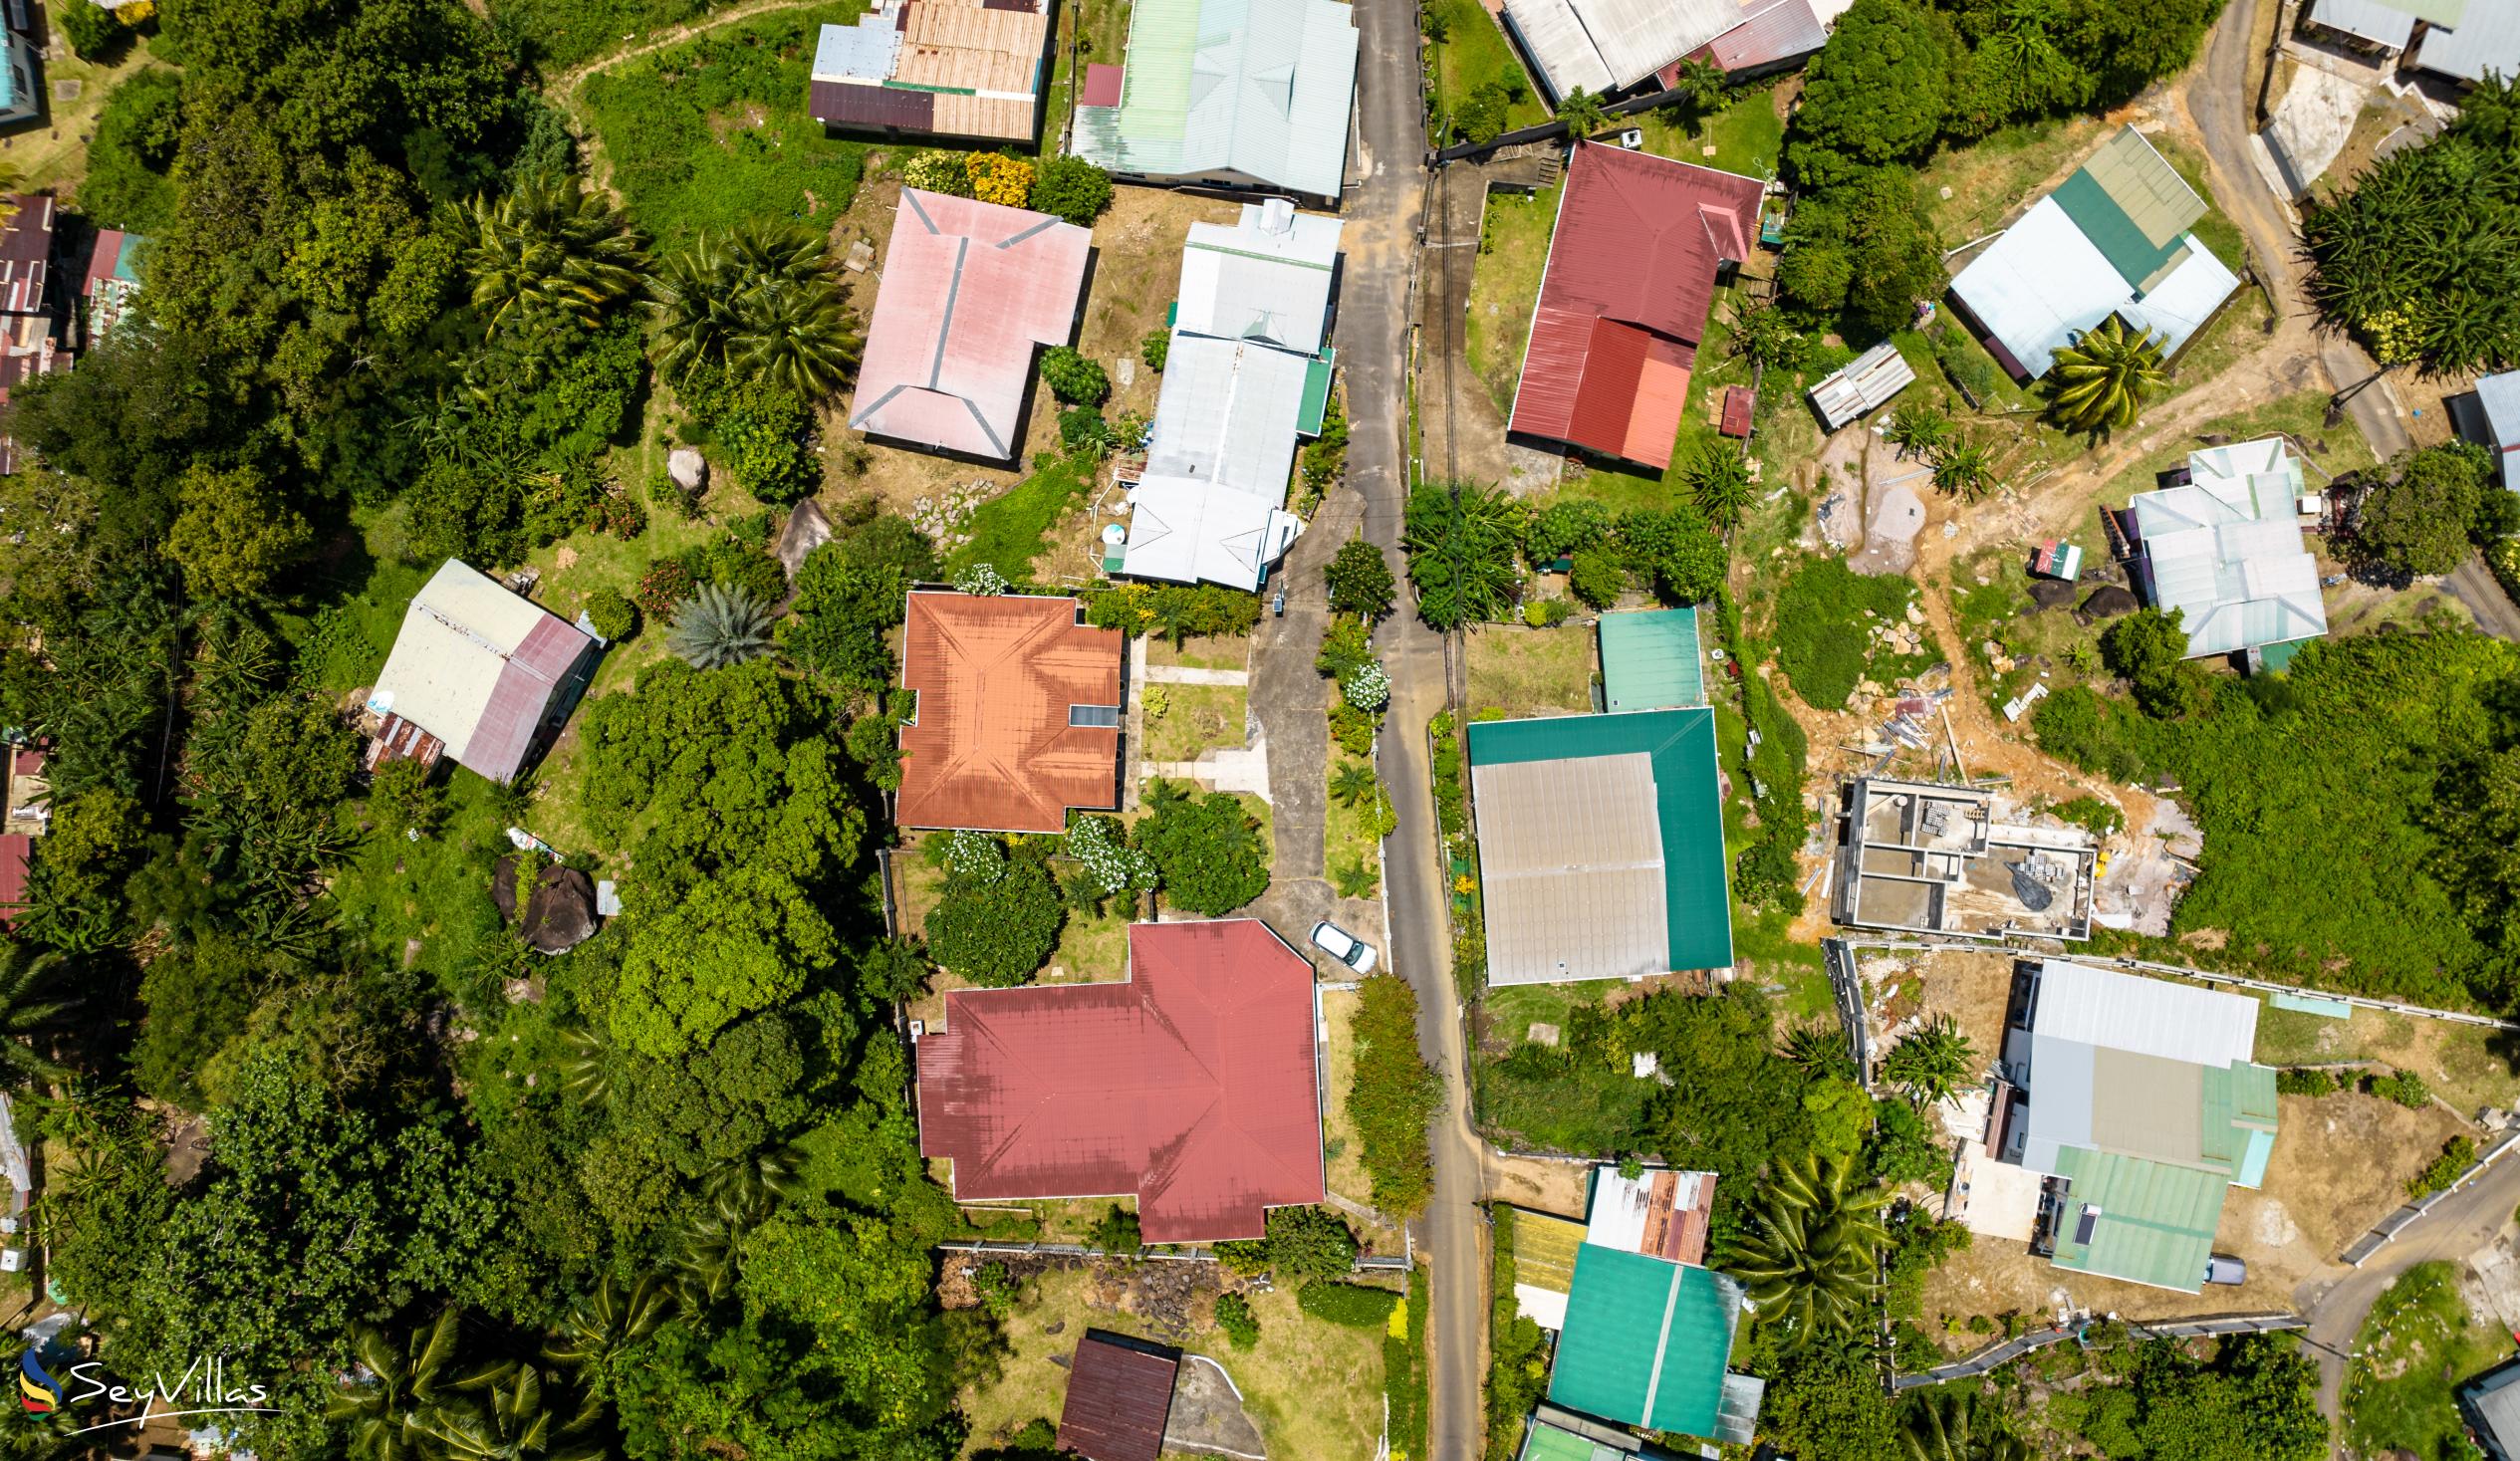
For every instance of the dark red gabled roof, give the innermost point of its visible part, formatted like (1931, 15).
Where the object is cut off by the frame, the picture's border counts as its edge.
(1192, 1085)
(1119, 1395)
(1639, 242)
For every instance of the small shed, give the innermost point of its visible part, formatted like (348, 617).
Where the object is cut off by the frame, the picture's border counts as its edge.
(1119, 1395)
(2057, 559)
(1739, 400)
(1649, 661)
(1863, 385)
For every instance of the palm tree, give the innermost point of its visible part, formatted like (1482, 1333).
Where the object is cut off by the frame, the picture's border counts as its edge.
(745, 1191)
(1932, 1062)
(757, 299)
(1816, 1050)
(516, 1419)
(1918, 430)
(719, 626)
(1703, 84)
(1354, 784)
(797, 334)
(1462, 552)
(1582, 113)
(706, 1263)
(549, 244)
(1964, 467)
(584, 1072)
(1810, 1262)
(1721, 480)
(603, 1324)
(27, 1010)
(2099, 382)
(696, 316)
(1952, 1424)
(392, 1404)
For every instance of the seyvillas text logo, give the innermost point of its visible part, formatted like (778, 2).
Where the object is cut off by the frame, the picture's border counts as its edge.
(202, 1390)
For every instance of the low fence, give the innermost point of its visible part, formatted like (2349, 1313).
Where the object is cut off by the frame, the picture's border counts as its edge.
(2008, 1350)
(2388, 1228)
(1392, 1263)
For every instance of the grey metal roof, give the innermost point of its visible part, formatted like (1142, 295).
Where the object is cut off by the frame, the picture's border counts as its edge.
(2226, 550)
(1232, 91)
(1227, 414)
(864, 51)
(2154, 1017)
(1862, 385)
(1609, 45)
(2374, 21)
(1266, 278)
(2045, 282)
(2499, 397)
(1570, 866)
(2486, 37)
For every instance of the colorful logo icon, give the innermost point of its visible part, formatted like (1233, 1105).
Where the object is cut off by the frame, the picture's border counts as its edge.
(37, 1389)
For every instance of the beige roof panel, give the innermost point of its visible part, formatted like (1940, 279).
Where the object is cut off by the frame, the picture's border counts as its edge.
(2141, 181)
(2147, 1106)
(1571, 860)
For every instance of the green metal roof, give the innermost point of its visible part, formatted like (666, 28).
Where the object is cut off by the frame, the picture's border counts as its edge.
(2134, 207)
(2156, 1223)
(2239, 1109)
(1308, 419)
(1649, 661)
(1548, 1443)
(1647, 1341)
(1680, 744)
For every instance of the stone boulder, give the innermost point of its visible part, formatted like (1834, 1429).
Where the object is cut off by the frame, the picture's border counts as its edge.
(688, 470)
(558, 911)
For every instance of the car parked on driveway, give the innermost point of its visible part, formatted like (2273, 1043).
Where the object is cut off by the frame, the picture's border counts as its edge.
(1344, 946)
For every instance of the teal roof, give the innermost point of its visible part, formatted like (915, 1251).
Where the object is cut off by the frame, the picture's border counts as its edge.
(1315, 394)
(2155, 1222)
(1649, 661)
(2312, 1004)
(2111, 231)
(1646, 1342)
(1549, 1443)
(8, 73)
(1681, 745)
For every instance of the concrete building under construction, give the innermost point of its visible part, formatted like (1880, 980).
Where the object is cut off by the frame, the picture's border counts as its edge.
(1931, 859)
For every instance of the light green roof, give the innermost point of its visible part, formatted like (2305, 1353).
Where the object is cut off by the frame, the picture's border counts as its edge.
(1646, 1342)
(1308, 418)
(1548, 1443)
(2134, 207)
(2155, 1222)
(1681, 745)
(1232, 90)
(1649, 661)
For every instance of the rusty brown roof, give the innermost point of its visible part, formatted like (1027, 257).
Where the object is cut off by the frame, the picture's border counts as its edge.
(997, 677)
(1119, 1395)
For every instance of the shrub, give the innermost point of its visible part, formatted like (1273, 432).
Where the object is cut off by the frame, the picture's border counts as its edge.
(1351, 728)
(1368, 688)
(2405, 1088)
(1073, 378)
(1392, 1095)
(2305, 1081)
(1352, 1305)
(1596, 577)
(1234, 1317)
(615, 618)
(937, 173)
(1345, 648)
(1310, 1242)
(402, 797)
(1822, 635)
(666, 584)
(2093, 815)
(1155, 349)
(1208, 851)
(2456, 1158)
(763, 429)
(1546, 613)
(999, 178)
(1359, 581)
(1071, 188)
(996, 932)
(1115, 1231)
(1081, 428)
(92, 29)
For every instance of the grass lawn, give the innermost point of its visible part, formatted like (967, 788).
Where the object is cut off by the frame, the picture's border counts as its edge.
(1338, 1131)
(55, 155)
(714, 132)
(426, 903)
(1974, 190)
(1525, 671)
(1473, 54)
(2331, 452)
(1090, 950)
(1010, 530)
(559, 33)
(2240, 327)
(1589, 1110)
(1513, 252)
(2459, 1062)
(1748, 136)
(1315, 1389)
(1193, 718)
(1206, 652)
(2419, 1345)
(1352, 837)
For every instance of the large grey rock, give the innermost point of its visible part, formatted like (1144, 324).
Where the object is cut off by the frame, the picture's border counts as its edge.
(557, 912)
(688, 470)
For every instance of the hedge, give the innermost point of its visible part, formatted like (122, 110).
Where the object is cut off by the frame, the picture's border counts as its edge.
(1352, 1304)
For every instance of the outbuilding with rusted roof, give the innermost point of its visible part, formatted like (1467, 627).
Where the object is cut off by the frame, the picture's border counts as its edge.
(1192, 1084)
(1018, 712)
(1120, 1397)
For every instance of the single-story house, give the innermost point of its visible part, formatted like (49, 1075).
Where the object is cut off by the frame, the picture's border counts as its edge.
(113, 277)
(935, 68)
(1650, 659)
(2463, 39)
(478, 676)
(1647, 1343)
(2140, 1102)
(2225, 550)
(1192, 1084)
(1634, 259)
(1018, 712)
(19, 98)
(2489, 415)
(2113, 239)
(970, 291)
(1120, 1395)
(1233, 94)
(1600, 845)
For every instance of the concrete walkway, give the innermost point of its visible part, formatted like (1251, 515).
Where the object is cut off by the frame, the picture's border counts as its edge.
(1223, 769)
(1183, 674)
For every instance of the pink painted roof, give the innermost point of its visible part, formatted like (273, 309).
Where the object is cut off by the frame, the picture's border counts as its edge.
(1101, 86)
(1631, 273)
(1192, 1084)
(970, 290)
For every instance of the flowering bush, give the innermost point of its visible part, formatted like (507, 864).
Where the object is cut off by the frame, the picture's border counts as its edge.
(996, 178)
(937, 173)
(977, 856)
(980, 579)
(1368, 688)
(1096, 842)
(666, 584)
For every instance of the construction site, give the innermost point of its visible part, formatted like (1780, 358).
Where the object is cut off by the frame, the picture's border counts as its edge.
(1953, 860)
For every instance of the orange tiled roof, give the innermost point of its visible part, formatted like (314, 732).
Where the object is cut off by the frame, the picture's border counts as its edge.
(996, 677)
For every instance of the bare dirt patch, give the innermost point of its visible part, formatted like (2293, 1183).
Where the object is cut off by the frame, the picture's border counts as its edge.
(1538, 1184)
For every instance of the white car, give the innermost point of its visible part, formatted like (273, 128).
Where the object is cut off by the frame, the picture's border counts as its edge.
(1344, 946)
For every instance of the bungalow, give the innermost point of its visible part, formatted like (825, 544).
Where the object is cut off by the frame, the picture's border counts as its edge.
(2221, 544)
(935, 68)
(478, 677)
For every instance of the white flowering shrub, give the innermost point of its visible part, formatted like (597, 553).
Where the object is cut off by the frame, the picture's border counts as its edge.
(1368, 688)
(980, 579)
(1095, 843)
(977, 856)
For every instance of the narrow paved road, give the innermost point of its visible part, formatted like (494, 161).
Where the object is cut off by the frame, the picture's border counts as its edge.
(2461, 1224)
(1383, 212)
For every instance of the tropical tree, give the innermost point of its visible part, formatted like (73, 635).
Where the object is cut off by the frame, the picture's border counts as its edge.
(1809, 1262)
(1948, 1424)
(391, 1403)
(1964, 467)
(2099, 382)
(29, 1009)
(605, 1323)
(1764, 334)
(799, 335)
(1582, 113)
(1932, 1062)
(1462, 549)
(756, 300)
(548, 244)
(1918, 430)
(1701, 85)
(1816, 1050)
(519, 1419)
(1720, 481)
(1354, 784)
(719, 626)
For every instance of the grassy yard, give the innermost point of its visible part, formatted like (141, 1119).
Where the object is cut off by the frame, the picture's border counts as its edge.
(1974, 189)
(1524, 671)
(1474, 53)
(1351, 839)
(714, 132)
(1192, 719)
(1589, 1110)
(426, 903)
(1513, 252)
(1201, 652)
(559, 33)
(1012, 530)
(55, 155)
(1315, 1389)
(1748, 134)
(1338, 1131)
(2303, 418)
(1763, 946)
(2465, 1064)
(2419, 1345)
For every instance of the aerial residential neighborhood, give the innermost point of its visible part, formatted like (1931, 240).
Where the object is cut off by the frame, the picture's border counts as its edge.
(1293, 730)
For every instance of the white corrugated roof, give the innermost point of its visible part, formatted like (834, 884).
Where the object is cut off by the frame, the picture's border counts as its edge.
(1265, 277)
(1571, 868)
(2044, 281)
(1185, 532)
(1609, 44)
(2486, 37)
(1228, 414)
(2499, 397)
(2226, 550)
(2154, 1017)
(455, 641)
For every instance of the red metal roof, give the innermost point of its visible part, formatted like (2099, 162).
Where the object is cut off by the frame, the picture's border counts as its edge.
(1101, 86)
(991, 748)
(840, 104)
(1192, 1085)
(1119, 1395)
(970, 290)
(1786, 31)
(1638, 244)
(16, 848)
(1738, 402)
